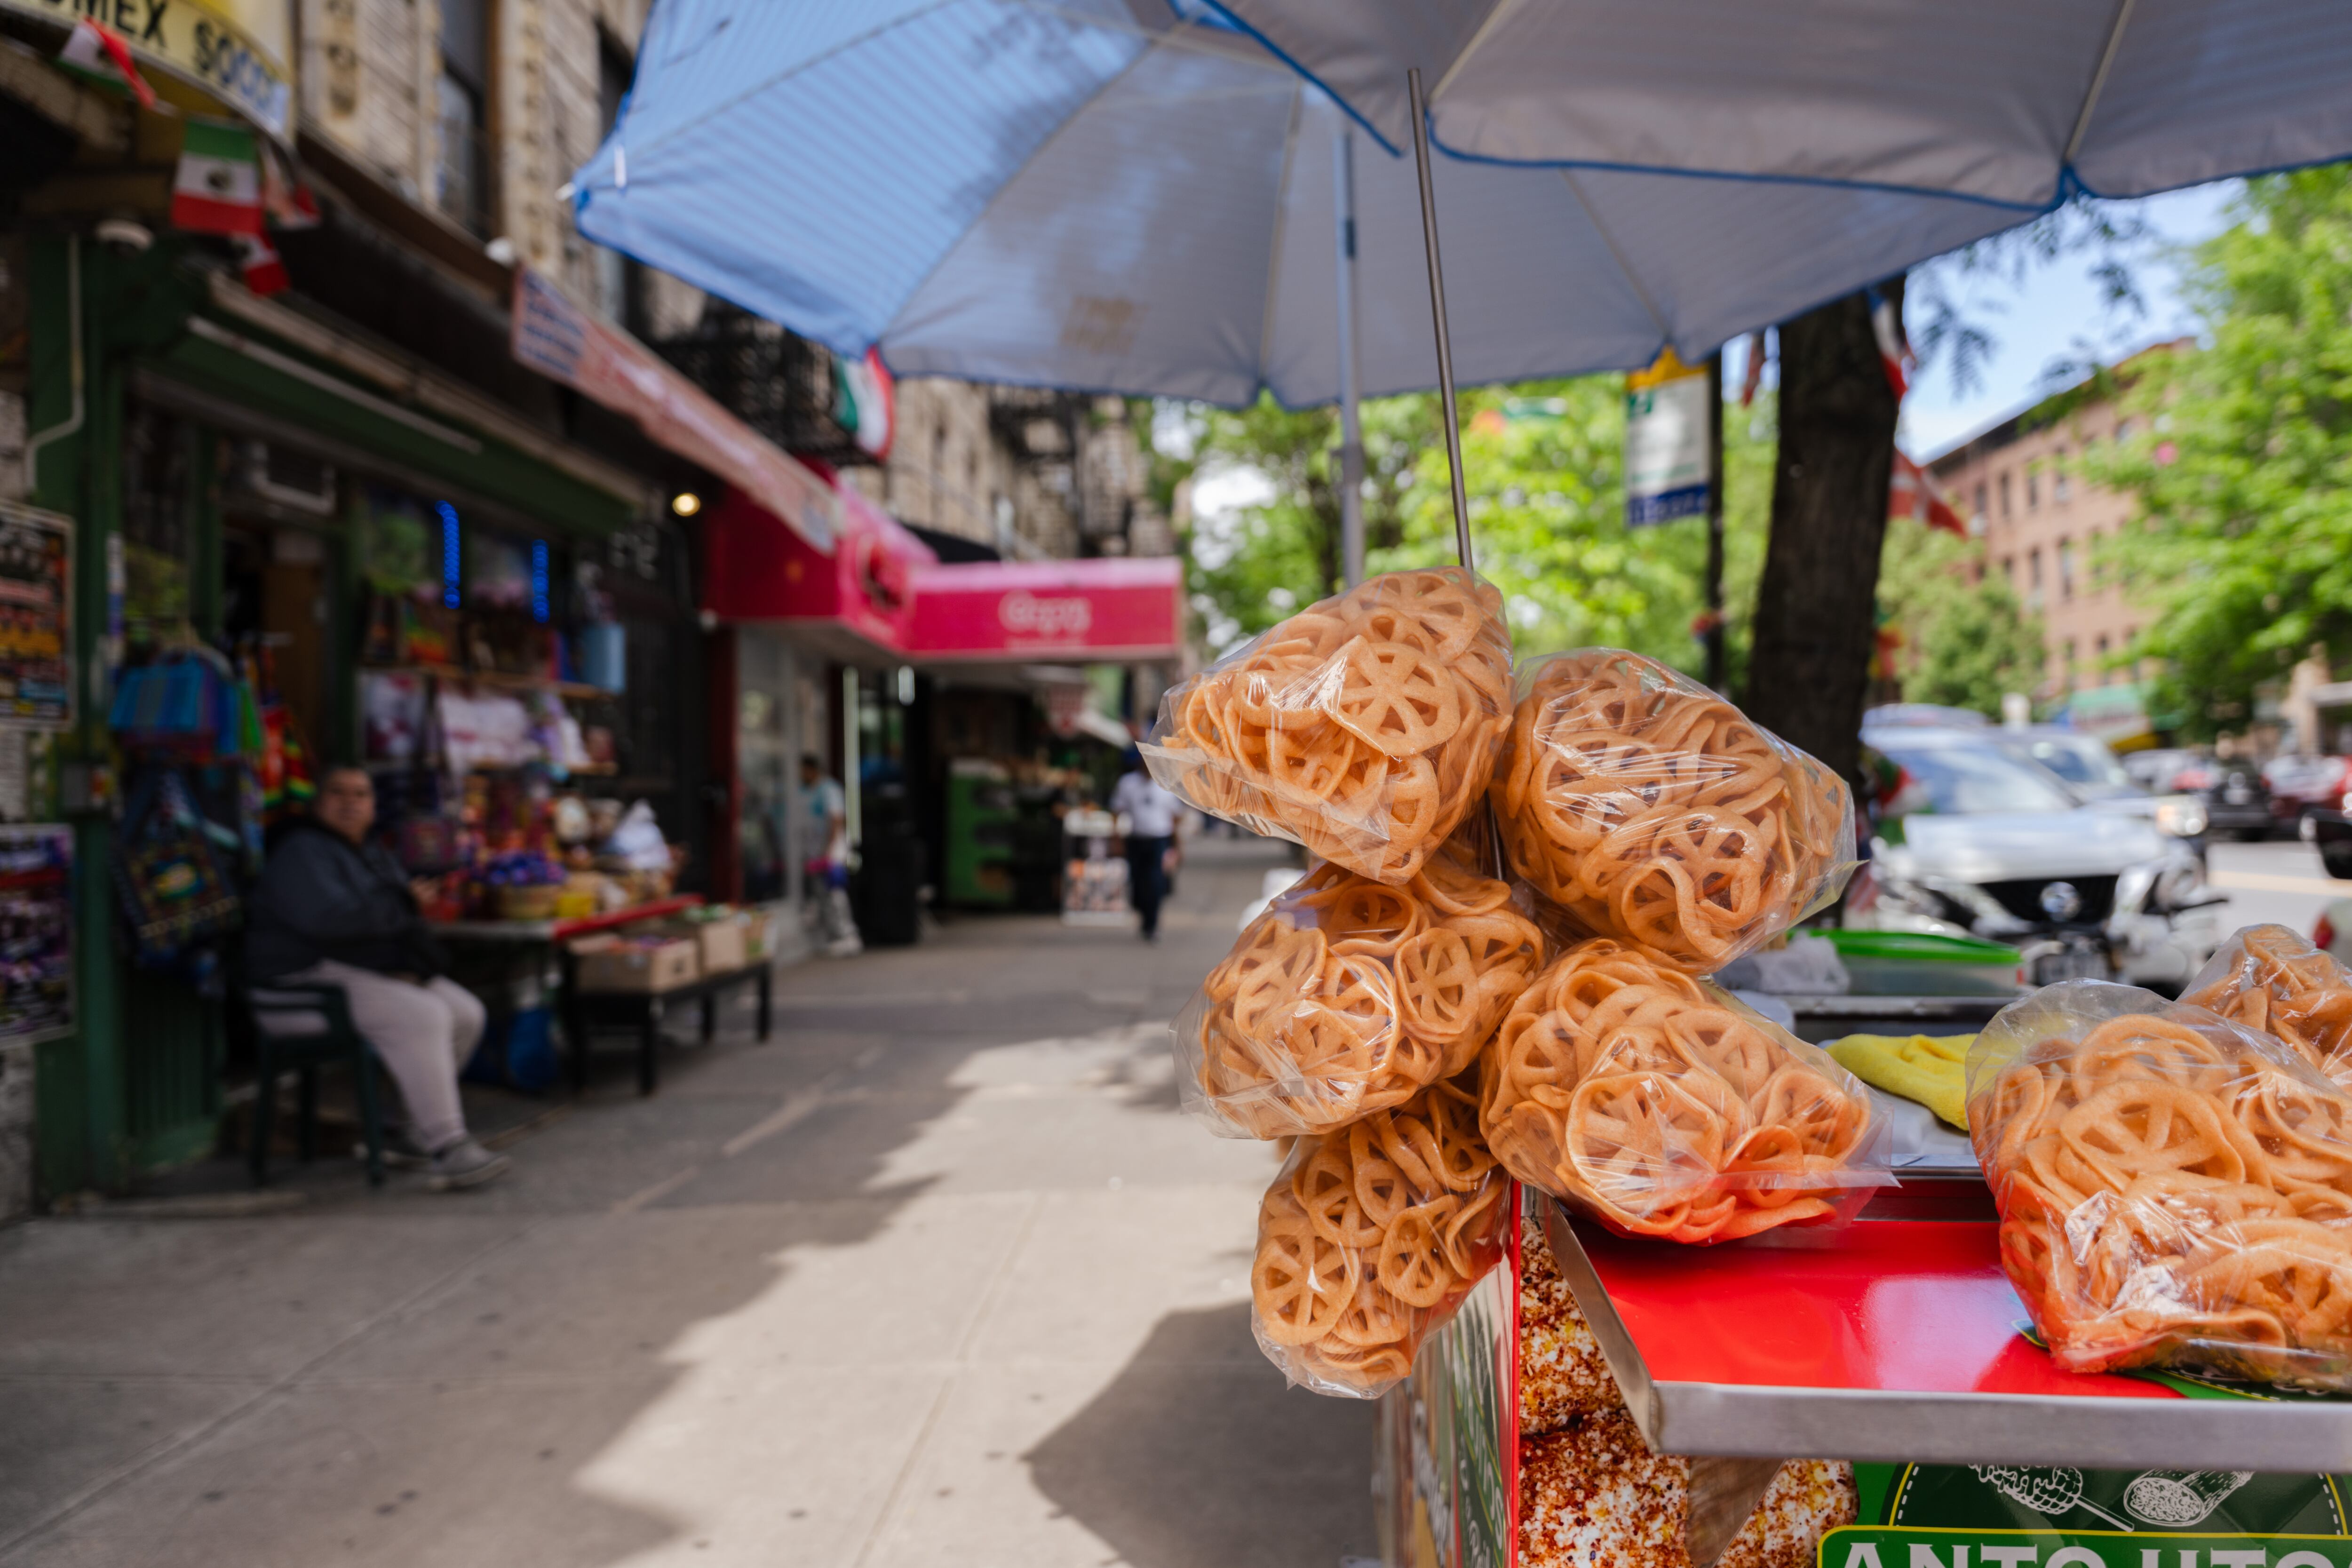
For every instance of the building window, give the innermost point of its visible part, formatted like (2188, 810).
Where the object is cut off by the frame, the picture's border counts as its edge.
(620, 279)
(2006, 509)
(2069, 663)
(2061, 487)
(2032, 489)
(2008, 569)
(2033, 580)
(2065, 568)
(1981, 512)
(462, 181)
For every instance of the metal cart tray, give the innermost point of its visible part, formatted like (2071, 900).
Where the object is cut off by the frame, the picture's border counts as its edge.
(1890, 1340)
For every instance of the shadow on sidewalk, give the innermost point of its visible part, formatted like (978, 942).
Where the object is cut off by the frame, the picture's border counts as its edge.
(1193, 1458)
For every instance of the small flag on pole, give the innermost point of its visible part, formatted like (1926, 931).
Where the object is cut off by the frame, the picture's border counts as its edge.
(284, 197)
(218, 188)
(1913, 493)
(1754, 376)
(1894, 347)
(99, 53)
(264, 268)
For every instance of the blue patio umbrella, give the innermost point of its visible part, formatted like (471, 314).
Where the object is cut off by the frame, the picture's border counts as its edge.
(2014, 103)
(1119, 195)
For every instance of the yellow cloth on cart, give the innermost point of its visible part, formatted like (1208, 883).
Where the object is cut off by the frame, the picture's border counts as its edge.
(1931, 1069)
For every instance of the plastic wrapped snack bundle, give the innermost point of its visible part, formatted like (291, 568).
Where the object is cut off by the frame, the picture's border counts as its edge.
(1363, 726)
(2275, 983)
(2174, 1189)
(1661, 1106)
(1653, 812)
(1347, 997)
(1369, 1239)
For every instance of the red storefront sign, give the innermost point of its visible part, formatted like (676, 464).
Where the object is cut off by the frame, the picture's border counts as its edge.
(886, 586)
(1109, 608)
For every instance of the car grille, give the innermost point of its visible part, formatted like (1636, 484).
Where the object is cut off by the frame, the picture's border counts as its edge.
(2022, 898)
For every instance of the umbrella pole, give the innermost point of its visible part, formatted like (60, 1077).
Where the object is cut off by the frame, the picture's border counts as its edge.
(1437, 315)
(1351, 428)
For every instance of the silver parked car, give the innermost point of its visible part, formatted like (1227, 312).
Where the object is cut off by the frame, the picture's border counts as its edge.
(1976, 838)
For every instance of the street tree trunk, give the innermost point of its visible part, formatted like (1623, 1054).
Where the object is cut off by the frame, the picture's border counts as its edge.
(1815, 610)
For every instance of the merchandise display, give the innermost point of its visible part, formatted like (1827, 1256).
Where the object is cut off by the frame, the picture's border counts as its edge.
(2175, 1190)
(1664, 1106)
(1369, 1238)
(2277, 983)
(1347, 997)
(1364, 727)
(1929, 1069)
(1653, 812)
(1564, 1377)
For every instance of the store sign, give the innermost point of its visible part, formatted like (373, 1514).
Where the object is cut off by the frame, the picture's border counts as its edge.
(1103, 608)
(36, 618)
(562, 342)
(1667, 472)
(239, 51)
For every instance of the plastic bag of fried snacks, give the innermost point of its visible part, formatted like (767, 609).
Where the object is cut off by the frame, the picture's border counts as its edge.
(1347, 997)
(1363, 726)
(2277, 983)
(2174, 1189)
(1663, 1107)
(1369, 1238)
(1652, 811)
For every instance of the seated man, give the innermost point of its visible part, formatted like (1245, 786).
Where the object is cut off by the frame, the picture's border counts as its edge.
(333, 909)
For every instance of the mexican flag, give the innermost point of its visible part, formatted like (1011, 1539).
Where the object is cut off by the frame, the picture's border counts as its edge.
(218, 189)
(101, 55)
(263, 269)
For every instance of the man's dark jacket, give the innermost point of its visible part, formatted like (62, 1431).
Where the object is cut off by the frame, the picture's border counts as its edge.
(321, 896)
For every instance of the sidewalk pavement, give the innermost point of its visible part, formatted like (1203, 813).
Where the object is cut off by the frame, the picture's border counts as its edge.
(939, 1276)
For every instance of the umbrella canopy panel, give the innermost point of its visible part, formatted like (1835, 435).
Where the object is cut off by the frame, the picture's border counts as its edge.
(2008, 102)
(1071, 197)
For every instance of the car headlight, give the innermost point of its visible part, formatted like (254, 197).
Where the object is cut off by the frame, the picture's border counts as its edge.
(2181, 818)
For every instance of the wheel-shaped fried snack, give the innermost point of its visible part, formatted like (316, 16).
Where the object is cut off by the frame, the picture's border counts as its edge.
(1664, 1108)
(1653, 812)
(1364, 727)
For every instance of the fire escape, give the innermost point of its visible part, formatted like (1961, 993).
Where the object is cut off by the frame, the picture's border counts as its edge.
(775, 381)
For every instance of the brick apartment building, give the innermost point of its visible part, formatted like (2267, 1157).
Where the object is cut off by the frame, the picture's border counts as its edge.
(2041, 524)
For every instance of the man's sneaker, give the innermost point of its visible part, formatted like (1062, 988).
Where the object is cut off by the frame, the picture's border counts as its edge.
(401, 1152)
(464, 1163)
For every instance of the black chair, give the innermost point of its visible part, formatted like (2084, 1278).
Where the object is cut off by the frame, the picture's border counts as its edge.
(314, 1029)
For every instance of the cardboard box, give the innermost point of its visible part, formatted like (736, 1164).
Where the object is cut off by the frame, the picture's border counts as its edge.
(636, 966)
(723, 947)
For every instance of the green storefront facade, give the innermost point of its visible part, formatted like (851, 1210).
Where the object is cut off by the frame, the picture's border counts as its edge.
(167, 336)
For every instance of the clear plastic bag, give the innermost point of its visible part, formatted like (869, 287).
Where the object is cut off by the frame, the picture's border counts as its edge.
(1369, 1239)
(1663, 1107)
(1347, 997)
(2275, 983)
(1653, 812)
(1364, 727)
(2174, 1189)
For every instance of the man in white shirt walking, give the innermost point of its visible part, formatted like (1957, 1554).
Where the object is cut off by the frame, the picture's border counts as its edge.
(1151, 815)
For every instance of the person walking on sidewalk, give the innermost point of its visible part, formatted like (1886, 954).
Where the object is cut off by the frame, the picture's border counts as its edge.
(332, 908)
(1152, 816)
(826, 812)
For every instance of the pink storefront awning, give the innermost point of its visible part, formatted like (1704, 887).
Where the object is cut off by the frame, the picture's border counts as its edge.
(884, 587)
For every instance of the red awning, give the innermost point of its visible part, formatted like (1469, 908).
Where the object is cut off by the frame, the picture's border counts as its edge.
(886, 588)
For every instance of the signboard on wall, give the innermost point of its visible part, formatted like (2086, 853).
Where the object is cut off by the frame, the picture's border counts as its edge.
(36, 618)
(239, 51)
(1666, 461)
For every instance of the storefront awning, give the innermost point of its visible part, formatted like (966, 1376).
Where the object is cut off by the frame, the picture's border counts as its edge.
(887, 590)
(1106, 609)
(564, 343)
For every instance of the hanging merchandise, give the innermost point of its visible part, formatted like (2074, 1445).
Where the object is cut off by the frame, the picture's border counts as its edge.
(1662, 1107)
(1669, 468)
(175, 896)
(1653, 812)
(1363, 726)
(1345, 998)
(185, 707)
(1369, 1239)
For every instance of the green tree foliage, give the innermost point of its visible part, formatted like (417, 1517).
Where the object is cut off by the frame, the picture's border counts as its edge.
(1964, 644)
(1541, 464)
(2243, 456)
